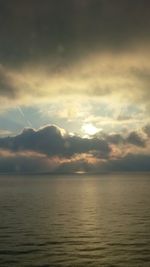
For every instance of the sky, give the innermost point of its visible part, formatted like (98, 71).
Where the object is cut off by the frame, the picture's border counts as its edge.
(74, 86)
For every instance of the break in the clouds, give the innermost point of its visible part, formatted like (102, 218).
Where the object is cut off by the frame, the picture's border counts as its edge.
(53, 149)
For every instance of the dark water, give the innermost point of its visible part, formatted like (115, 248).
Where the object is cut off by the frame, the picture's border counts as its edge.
(75, 221)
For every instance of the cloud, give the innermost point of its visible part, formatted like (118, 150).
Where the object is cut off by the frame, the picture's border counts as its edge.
(147, 130)
(133, 138)
(103, 76)
(95, 48)
(129, 163)
(115, 138)
(70, 28)
(12, 162)
(52, 149)
(53, 141)
(7, 89)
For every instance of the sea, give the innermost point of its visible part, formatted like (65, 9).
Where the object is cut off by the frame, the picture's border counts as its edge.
(75, 220)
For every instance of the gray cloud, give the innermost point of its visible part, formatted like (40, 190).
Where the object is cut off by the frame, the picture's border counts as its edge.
(52, 142)
(115, 139)
(20, 163)
(51, 149)
(6, 87)
(147, 130)
(133, 138)
(131, 162)
(38, 163)
(64, 29)
(44, 45)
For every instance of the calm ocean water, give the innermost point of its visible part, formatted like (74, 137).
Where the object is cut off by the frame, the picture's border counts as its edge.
(75, 221)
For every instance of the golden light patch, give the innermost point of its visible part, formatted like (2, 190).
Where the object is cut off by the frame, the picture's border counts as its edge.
(89, 129)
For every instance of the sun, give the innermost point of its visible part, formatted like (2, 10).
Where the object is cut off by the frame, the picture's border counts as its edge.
(89, 129)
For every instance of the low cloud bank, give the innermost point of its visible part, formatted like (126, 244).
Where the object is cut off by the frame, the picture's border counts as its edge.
(52, 149)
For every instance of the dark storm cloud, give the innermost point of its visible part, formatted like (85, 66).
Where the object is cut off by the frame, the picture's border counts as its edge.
(35, 30)
(51, 142)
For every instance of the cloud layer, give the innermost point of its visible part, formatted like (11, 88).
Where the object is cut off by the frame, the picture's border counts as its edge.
(53, 141)
(32, 30)
(94, 48)
(52, 149)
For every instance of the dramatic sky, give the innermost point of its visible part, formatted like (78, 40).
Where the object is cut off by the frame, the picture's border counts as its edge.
(74, 85)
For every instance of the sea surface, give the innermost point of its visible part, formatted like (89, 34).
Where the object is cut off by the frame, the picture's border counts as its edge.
(78, 220)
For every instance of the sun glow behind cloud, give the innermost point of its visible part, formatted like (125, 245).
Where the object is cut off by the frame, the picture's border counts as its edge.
(90, 129)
